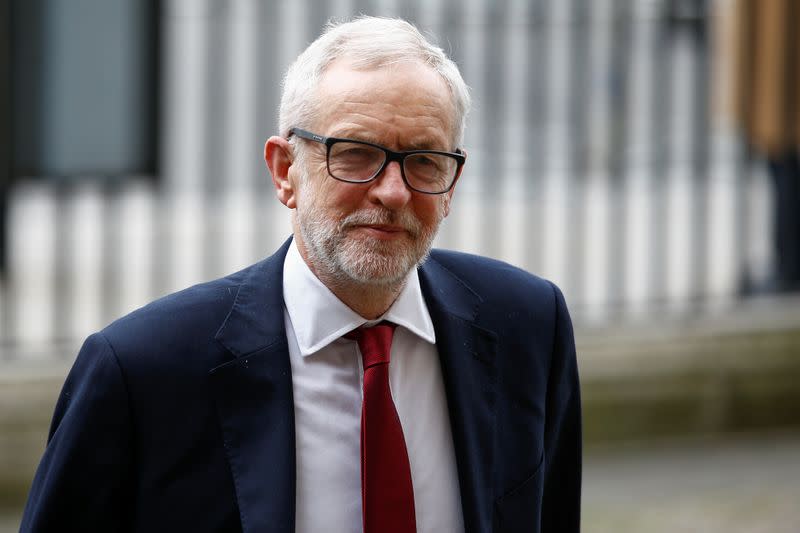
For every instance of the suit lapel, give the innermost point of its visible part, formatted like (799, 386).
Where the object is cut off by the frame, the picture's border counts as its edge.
(254, 400)
(467, 355)
(256, 408)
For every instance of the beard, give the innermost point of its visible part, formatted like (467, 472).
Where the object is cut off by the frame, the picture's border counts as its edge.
(366, 261)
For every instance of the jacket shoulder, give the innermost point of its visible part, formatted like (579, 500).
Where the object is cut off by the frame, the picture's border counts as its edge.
(184, 322)
(194, 305)
(491, 278)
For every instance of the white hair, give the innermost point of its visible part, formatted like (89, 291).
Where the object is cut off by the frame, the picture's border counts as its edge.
(368, 43)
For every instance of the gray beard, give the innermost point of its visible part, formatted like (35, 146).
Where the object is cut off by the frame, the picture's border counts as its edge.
(373, 263)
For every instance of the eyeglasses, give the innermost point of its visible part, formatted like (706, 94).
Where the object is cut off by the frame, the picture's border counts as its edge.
(425, 171)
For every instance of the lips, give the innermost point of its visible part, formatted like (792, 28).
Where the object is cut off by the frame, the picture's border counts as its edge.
(383, 224)
(379, 231)
(384, 228)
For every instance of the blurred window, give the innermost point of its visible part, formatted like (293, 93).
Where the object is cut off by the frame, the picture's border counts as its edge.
(84, 87)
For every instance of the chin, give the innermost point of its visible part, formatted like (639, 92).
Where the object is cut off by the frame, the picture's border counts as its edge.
(376, 266)
(353, 257)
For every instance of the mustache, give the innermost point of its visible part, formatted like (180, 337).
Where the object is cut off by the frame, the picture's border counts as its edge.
(403, 219)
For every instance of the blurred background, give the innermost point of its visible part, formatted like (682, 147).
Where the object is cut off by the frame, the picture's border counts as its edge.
(643, 154)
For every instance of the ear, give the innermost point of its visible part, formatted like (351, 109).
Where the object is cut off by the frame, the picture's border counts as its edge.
(278, 156)
(449, 194)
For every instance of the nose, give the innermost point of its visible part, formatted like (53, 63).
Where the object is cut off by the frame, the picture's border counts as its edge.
(389, 189)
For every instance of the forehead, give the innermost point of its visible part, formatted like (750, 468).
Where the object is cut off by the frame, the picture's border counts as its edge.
(401, 105)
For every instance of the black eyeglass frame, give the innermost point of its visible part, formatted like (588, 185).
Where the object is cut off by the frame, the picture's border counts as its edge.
(391, 155)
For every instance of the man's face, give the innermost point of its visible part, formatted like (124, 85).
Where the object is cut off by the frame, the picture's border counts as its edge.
(376, 232)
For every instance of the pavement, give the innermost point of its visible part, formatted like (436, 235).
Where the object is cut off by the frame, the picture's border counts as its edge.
(742, 484)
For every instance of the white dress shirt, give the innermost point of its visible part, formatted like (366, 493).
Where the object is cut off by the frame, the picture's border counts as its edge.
(327, 378)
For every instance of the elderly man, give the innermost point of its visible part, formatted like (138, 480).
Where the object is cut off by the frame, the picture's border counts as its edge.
(351, 381)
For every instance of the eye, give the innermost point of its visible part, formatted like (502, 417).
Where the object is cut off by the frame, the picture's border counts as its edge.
(424, 160)
(426, 163)
(354, 152)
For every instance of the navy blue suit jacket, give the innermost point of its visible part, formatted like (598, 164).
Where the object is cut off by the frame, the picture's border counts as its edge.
(179, 416)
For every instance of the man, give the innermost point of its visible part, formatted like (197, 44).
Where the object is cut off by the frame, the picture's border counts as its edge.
(345, 383)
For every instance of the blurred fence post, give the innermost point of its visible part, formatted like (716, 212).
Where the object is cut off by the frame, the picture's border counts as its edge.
(5, 127)
(5, 163)
(590, 158)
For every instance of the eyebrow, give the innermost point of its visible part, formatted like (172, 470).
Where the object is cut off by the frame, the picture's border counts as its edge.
(425, 144)
(422, 143)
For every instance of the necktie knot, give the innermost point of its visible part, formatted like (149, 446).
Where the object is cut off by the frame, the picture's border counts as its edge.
(374, 342)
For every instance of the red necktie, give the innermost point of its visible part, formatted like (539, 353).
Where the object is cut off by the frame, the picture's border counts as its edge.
(387, 495)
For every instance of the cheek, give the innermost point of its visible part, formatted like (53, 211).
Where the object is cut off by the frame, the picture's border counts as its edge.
(315, 166)
(431, 209)
(320, 169)
(312, 184)
(337, 199)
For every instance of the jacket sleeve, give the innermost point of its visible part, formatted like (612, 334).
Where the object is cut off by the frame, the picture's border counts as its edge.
(561, 500)
(83, 482)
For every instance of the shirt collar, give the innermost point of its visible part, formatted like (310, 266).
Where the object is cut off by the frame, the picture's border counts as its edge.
(318, 317)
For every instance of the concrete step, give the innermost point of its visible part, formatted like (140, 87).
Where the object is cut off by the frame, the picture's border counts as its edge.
(736, 370)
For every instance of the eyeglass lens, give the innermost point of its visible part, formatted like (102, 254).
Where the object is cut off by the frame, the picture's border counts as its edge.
(360, 162)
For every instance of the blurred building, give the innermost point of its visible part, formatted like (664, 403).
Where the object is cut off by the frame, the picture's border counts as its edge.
(621, 148)
(134, 133)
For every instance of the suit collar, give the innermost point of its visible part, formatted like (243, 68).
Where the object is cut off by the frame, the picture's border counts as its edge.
(467, 353)
(254, 400)
(256, 318)
(444, 289)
